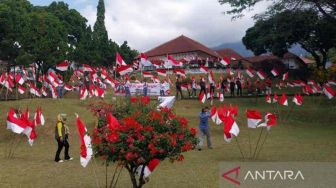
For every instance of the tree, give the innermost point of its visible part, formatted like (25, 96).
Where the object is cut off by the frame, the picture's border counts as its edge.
(325, 7)
(279, 32)
(140, 135)
(127, 53)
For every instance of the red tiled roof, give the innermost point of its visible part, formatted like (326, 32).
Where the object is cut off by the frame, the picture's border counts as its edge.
(262, 58)
(181, 44)
(228, 52)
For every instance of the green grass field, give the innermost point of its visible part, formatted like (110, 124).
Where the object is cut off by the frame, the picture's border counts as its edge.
(308, 135)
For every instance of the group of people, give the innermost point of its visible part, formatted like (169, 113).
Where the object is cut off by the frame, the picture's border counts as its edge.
(232, 85)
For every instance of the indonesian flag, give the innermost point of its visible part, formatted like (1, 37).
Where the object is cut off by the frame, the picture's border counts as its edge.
(86, 148)
(275, 98)
(211, 77)
(270, 120)
(249, 72)
(19, 79)
(52, 77)
(83, 94)
(87, 68)
(329, 92)
(253, 118)
(285, 76)
(213, 114)
(110, 81)
(225, 61)
(38, 116)
(298, 100)
(161, 72)
(104, 74)
(221, 97)
(184, 87)
(317, 88)
(308, 89)
(172, 61)
(99, 92)
(3, 77)
(149, 168)
(144, 61)
(21, 89)
(54, 93)
(180, 72)
(203, 69)
(119, 60)
(9, 84)
(68, 87)
(63, 66)
(156, 64)
(233, 110)
(33, 90)
(261, 74)
(230, 128)
(283, 100)
(331, 82)
(230, 72)
(92, 90)
(147, 75)
(268, 98)
(311, 82)
(275, 72)
(44, 92)
(29, 130)
(14, 123)
(166, 102)
(221, 115)
(202, 97)
(122, 70)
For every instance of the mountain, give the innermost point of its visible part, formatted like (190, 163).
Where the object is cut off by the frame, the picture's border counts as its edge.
(240, 48)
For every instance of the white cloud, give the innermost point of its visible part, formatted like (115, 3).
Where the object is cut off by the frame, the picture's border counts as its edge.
(148, 23)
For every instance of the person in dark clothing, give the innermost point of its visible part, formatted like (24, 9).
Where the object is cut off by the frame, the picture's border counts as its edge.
(193, 87)
(239, 88)
(212, 89)
(203, 87)
(178, 85)
(232, 87)
(61, 136)
(204, 116)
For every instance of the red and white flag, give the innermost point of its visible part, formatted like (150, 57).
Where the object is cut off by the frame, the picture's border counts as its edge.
(99, 92)
(83, 94)
(149, 168)
(38, 117)
(15, 124)
(270, 120)
(33, 90)
(283, 100)
(275, 72)
(275, 98)
(331, 83)
(110, 81)
(144, 60)
(63, 66)
(329, 92)
(119, 60)
(225, 61)
(202, 97)
(86, 148)
(213, 114)
(21, 89)
(161, 72)
(298, 100)
(180, 72)
(268, 98)
(261, 74)
(68, 87)
(221, 97)
(147, 75)
(253, 118)
(203, 69)
(44, 91)
(230, 128)
(122, 70)
(173, 62)
(87, 68)
(285, 76)
(250, 72)
(19, 79)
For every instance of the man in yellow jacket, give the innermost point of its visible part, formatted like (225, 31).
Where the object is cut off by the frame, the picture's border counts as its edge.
(61, 136)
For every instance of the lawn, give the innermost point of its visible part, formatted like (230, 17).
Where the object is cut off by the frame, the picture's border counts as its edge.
(309, 134)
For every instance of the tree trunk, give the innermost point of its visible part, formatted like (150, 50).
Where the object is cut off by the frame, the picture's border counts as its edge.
(132, 176)
(324, 58)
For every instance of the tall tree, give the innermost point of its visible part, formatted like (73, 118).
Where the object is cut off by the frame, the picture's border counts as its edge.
(279, 32)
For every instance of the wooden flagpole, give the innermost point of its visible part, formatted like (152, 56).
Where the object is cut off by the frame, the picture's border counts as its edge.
(262, 144)
(255, 150)
(241, 152)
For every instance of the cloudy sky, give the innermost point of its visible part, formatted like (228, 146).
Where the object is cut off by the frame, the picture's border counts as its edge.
(148, 23)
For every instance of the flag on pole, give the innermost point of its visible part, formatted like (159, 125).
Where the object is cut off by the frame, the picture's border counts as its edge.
(230, 128)
(172, 61)
(213, 114)
(120, 60)
(83, 94)
(19, 79)
(261, 74)
(268, 98)
(225, 61)
(285, 76)
(14, 123)
(298, 100)
(329, 92)
(202, 97)
(38, 117)
(149, 168)
(270, 120)
(161, 72)
(249, 72)
(275, 72)
(86, 148)
(21, 89)
(275, 98)
(253, 118)
(283, 100)
(144, 60)
(122, 70)
(203, 69)
(63, 66)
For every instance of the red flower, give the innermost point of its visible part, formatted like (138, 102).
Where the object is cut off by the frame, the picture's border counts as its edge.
(113, 137)
(187, 146)
(145, 100)
(193, 131)
(180, 158)
(133, 99)
(129, 156)
(130, 140)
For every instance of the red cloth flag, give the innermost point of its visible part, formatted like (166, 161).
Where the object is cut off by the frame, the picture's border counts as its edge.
(63, 66)
(230, 128)
(120, 60)
(14, 123)
(253, 118)
(283, 100)
(86, 148)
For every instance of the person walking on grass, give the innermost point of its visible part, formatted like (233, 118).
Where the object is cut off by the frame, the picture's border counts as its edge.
(204, 116)
(61, 136)
(178, 85)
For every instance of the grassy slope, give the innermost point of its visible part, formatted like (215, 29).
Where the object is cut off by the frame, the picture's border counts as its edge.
(308, 135)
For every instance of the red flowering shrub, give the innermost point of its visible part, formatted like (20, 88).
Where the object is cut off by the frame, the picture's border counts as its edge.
(141, 135)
